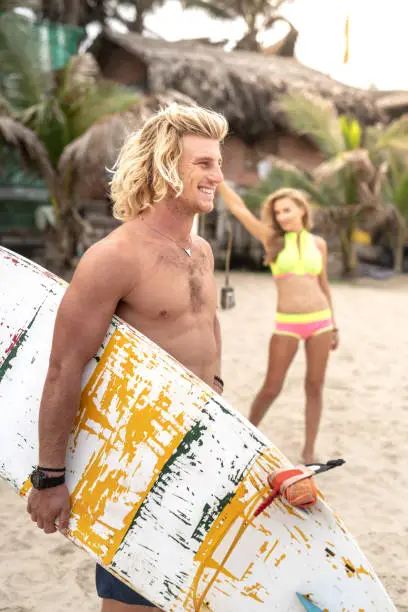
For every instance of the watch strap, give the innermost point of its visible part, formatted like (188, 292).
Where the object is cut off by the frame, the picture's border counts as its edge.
(47, 469)
(53, 481)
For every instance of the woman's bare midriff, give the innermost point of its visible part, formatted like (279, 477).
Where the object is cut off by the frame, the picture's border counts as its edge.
(300, 294)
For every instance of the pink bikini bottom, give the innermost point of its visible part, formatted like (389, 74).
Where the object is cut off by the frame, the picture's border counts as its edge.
(305, 325)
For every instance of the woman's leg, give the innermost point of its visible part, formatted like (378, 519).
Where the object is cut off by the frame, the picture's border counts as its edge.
(317, 355)
(282, 350)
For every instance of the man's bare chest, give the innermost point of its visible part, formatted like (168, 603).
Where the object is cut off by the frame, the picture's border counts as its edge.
(175, 285)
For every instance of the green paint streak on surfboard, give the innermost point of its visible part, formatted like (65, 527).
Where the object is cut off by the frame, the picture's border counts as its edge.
(186, 448)
(6, 365)
(210, 512)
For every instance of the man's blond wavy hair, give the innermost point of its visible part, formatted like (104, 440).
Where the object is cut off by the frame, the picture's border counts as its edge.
(276, 237)
(147, 168)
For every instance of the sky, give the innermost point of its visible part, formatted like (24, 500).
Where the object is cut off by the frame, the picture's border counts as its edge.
(378, 36)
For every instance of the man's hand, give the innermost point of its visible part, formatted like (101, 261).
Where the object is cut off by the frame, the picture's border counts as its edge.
(49, 505)
(217, 387)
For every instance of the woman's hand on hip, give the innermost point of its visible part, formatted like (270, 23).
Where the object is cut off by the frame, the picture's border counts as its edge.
(335, 339)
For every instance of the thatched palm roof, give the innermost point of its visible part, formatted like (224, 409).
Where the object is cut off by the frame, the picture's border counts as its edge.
(89, 158)
(394, 103)
(244, 86)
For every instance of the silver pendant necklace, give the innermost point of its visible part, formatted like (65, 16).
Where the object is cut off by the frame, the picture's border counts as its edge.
(187, 251)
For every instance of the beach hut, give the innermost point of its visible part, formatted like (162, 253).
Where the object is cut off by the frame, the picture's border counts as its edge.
(244, 86)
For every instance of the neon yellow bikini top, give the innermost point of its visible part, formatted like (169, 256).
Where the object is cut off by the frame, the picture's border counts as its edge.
(301, 258)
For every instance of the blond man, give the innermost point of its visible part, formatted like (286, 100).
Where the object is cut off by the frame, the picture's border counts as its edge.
(153, 273)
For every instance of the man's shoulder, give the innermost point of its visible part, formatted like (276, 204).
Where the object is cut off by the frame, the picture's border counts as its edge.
(118, 247)
(109, 251)
(203, 244)
(110, 262)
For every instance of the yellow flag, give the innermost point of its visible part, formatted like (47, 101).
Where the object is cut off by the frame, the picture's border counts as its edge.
(347, 39)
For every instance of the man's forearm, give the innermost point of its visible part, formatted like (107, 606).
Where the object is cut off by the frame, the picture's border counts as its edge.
(59, 406)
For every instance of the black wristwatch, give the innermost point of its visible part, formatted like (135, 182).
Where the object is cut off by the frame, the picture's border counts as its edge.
(40, 480)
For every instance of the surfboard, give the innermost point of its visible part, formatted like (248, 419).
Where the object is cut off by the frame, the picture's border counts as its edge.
(165, 476)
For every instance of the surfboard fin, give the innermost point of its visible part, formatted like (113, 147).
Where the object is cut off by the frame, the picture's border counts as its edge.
(307, 604)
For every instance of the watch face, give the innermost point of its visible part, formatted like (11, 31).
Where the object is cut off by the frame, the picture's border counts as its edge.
(37, 478)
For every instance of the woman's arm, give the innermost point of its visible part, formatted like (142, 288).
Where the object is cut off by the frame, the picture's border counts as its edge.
(324, 283)
(238, 208)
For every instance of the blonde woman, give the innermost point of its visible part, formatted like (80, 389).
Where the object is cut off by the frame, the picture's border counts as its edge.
(304, 306)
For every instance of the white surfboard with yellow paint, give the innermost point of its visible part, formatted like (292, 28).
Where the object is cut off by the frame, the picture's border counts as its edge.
(165, 476)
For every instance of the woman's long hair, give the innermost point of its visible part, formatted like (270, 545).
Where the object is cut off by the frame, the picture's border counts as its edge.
(276, 236)
(147, 168)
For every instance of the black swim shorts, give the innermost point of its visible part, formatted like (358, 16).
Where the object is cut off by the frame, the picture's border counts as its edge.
(109, 587)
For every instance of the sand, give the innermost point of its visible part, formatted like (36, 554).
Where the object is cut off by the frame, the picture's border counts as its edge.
(365, 421)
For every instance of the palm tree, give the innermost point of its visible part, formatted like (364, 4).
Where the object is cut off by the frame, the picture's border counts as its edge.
(395, 191)
(42, 113)
(357, 160)
(395, 188)
(259, 15)
(80, 13)
(286, 174)
(331, 216)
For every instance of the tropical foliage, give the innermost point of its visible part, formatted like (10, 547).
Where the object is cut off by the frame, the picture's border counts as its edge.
(361, 166)
(326, 200)
(42, 113)
(130, 13)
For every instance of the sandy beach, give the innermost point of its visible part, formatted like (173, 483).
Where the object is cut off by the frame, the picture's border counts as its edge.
(365, 421)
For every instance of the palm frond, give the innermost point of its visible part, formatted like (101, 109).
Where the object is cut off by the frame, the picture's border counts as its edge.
(372, 133)
(5, 106)
(31, 151)
(79, 75)
(316, 118)
(24, 80)
(398, 194)
(280, 176)
(397, 163)
(103, 99)
(50, 123)
(358, 161)
(394, 136)
(282, 164)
